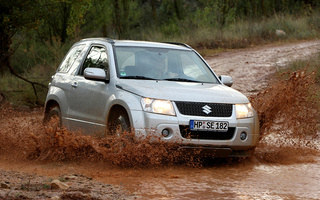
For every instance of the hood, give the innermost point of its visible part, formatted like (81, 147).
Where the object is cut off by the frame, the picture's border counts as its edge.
(183, 91)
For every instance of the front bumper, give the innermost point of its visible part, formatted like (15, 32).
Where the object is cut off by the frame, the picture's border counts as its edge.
(150, 124)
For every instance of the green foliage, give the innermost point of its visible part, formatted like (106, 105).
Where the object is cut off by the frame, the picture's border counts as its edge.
(77, 12)
(264, 30)
(62, 18)
(170, 29)
(14, 16)
(314, 21)
(17, 14)
(99, 19)
(136, 19)
(217, 13)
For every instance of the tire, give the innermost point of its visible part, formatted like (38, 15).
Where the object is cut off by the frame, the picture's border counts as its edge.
(119, 123)
(119, 131)
(53, 117)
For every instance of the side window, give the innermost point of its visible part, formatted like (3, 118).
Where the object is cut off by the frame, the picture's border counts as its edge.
(70, 58)
(97, 58)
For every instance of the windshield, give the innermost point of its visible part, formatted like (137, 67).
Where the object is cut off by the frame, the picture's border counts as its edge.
(161, 64)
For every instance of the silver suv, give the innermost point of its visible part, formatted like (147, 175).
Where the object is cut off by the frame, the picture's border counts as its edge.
(166, 90)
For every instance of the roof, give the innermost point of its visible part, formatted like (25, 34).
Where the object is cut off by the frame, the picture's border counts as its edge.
(134, 43)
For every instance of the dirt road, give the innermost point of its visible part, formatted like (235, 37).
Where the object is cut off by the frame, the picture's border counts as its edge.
(251, 68)
(27, 165)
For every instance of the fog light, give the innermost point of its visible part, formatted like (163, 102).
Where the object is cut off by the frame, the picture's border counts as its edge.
(165, 132)
(243, 136)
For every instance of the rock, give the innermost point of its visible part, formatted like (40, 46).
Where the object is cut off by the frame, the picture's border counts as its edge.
(55, 198)
(280, 33)
(71, 177)
(56, 184)
(75, 195)
(4, 185)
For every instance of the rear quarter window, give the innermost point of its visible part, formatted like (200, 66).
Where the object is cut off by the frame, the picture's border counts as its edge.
(68, 61)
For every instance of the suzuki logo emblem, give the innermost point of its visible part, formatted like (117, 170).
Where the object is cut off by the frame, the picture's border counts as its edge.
(206, 109)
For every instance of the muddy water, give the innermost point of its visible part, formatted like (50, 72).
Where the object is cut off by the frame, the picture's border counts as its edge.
(221, 181)
(242, 181)
(276, 171)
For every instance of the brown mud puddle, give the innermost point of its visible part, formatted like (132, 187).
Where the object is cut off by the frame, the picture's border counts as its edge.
(278, 174)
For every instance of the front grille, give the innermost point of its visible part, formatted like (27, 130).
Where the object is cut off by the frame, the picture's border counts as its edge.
(206, 135)
(204, 109)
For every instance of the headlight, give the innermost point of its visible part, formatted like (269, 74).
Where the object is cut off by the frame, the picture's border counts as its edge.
(244, 110)
(157, 106)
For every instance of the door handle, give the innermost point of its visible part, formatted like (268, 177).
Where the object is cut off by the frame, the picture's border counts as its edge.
(75, 85)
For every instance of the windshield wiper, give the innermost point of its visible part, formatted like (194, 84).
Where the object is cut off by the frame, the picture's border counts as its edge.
(181, 79)
(137, 77)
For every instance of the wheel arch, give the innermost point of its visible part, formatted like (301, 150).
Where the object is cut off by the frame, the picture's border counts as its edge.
(116, 108)
(56, 96)
(123, 101)
(50, 104)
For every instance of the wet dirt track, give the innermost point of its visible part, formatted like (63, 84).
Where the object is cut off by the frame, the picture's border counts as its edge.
(242, 181)
(250, 68)
(275, 171)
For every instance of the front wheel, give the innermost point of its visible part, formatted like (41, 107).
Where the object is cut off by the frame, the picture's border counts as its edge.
(119, 131)
(53, 117)
(119, 123)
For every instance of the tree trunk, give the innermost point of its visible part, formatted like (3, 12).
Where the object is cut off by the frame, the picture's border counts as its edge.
(66, 14)
(117, 18)
(153, 5)
(4, 50)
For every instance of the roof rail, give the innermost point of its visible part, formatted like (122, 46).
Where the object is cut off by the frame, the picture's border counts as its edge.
(178, 43)
(100, 38)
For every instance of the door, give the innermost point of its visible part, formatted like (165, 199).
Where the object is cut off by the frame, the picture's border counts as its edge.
(88, 98)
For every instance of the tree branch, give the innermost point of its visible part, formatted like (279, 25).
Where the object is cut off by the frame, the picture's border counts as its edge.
(12, 71)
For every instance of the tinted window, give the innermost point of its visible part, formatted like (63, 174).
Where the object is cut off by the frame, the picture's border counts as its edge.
(72, 55)
(97, 58)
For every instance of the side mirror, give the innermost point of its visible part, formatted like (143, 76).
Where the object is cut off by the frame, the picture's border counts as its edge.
(95, 74)
(226, 80)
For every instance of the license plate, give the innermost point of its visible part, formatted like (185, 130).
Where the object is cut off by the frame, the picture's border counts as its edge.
(209, 125)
